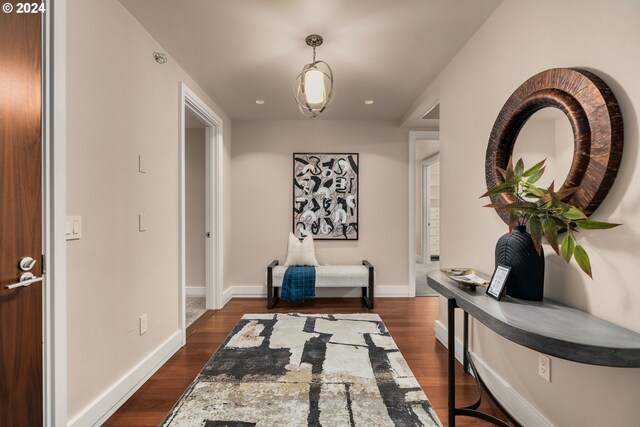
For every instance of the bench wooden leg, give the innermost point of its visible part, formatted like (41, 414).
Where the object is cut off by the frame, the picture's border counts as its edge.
(273, 299)
(365, 298)
(272, 291)
(272, 296)
(270, 301)
(368, 297)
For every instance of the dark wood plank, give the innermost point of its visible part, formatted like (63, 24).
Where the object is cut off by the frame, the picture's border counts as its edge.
(198, 322)
(20, 218)
(410, 321)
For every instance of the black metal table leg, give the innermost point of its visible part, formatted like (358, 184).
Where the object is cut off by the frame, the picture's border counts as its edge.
(451, 332)
(469, 367)
(465, 350)
(470, 410)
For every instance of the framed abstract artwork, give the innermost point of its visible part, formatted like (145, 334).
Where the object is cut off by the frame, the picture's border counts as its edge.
(325, 195)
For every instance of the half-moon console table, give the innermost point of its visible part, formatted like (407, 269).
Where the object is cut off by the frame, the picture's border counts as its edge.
(546, 326)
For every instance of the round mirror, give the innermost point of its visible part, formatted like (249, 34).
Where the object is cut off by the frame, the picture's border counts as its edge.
(546, 135)
(596, 123)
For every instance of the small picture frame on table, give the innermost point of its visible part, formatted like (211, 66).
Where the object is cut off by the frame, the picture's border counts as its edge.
(498, 282)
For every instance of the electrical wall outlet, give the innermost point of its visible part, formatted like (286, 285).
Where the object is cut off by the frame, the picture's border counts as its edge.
(143, 324)
(544, 367)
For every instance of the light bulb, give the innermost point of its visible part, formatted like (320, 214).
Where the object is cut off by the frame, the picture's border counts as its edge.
(314, 89)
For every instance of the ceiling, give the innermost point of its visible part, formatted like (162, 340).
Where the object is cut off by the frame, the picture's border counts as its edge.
(242, 50)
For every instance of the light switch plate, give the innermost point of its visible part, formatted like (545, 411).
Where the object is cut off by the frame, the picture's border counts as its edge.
(73, 227)
(142, 222)
(143, 324)
(141, 164)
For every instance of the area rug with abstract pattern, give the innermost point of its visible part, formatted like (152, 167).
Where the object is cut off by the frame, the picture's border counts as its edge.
(305, 370)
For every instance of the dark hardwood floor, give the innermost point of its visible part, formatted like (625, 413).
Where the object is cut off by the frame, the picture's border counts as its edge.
(410, 321)
(199, 322)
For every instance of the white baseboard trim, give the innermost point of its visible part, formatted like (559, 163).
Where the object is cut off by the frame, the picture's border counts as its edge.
(441, 335)
(196, 291)
(98, 411)
(227, 294)
(246, 291)
(401, 291)
(513, 402)
(260, 291)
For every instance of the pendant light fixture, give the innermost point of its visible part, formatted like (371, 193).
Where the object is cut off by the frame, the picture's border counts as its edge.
(314, 85)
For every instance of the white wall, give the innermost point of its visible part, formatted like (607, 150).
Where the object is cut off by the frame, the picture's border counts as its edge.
(195, 176)
(519, 40)
(261, 167)
(120, 104)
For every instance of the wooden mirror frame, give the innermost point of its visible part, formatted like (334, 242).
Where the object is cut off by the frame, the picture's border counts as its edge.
(597, 127)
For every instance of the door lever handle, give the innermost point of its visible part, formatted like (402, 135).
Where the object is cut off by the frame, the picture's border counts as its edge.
(26, 279)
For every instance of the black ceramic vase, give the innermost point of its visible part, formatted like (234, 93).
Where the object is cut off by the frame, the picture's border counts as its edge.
(526, 279)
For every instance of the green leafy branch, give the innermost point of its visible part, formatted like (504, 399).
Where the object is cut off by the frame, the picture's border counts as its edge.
(543, 211)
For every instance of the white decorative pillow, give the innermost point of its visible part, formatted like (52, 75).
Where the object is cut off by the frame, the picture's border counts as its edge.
(300, 253)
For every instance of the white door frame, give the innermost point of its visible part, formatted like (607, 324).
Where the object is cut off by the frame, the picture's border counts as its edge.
(426, 207)
(213, 205)
(54, 139)
(430, 135)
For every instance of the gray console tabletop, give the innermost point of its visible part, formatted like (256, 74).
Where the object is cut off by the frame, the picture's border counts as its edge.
(546, 326)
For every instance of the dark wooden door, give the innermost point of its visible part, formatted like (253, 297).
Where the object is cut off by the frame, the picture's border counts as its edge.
(20, 219)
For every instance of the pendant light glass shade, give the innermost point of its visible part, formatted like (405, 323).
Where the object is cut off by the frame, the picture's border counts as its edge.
(315, 92)
(314, 85)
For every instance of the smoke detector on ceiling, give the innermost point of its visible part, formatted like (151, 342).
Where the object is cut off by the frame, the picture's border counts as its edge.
(160, 57)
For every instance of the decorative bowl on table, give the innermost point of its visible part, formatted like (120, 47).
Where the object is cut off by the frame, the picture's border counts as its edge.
(466, 276)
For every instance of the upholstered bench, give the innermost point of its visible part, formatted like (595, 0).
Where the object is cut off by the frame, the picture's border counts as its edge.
(327, 276)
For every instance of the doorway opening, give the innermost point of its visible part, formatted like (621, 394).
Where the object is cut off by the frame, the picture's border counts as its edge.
(195, 171)
(428, 217)
(427, 196)
(424, 209)
(200, 230)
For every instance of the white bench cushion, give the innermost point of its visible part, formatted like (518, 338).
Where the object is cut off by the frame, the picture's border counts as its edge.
(331, 276)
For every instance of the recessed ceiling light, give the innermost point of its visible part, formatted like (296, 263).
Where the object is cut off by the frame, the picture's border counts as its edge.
(369, 101)
(259, 101)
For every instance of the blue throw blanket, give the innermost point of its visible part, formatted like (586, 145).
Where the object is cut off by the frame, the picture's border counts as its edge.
(299, 283)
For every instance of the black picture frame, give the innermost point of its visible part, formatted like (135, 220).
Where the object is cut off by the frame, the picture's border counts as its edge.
(355, 231)
(498, 282)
